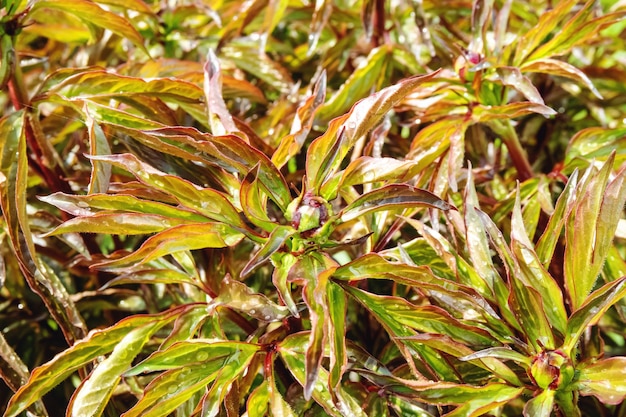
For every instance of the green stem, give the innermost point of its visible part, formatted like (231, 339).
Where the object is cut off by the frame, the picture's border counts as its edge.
(508, 135)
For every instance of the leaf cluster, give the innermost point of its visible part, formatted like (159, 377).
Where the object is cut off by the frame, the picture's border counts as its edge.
(284, 208)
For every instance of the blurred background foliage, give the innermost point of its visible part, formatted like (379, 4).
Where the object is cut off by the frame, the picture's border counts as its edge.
(160, 156)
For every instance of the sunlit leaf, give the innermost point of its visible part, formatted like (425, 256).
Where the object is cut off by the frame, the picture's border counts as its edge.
(190, 366)
(98, 83)
(513, 77)
(604, 379)
(535, 274)
(291, 352)
(326, 153)
(302, 123)
(118, 224)
(541, 405)
(237, 295)
(510, 111)
(560, 69)
(91, 13)
(220, 119)
(175, 239)
(274, 242)
(596, 143)
(592, 310)
(426, 319)
(93, 394)
(590, 229)
(358, 85)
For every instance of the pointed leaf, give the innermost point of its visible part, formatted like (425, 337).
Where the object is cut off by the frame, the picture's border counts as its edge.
(561, 69)
(358, 85)
(535, 274)
(592, 310)
(291, 144)
(509, 111)
(513, 77)
(366, 169)
(393, 196)
(327, 152)
(96, 344)
(175, 239)
(117, 224)
(337, 307)
(89, 205)
(540, 406)
(41, 278)
(395, 311)
(90, 12)
(98, 145)
(275, 241)
(220, 119)
(94, 393)
(590, 230)
(207, 202)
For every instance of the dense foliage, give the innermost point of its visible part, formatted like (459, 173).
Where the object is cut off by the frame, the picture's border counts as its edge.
(284, 208)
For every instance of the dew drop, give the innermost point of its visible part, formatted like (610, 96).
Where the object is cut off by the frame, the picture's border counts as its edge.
(203, 356)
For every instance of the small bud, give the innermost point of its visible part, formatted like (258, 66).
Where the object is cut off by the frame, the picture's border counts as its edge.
(551, 370)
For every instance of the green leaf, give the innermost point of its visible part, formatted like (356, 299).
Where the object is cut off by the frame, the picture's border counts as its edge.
(326, 153)
(254, 202)
(89, 205)
(486, 359)
(96, 344)
(154, 276)
(578, 30)
(366, 77)
(509, 111)
(473, 400)
(537, 34)
(90, 12)
(302, 123)
(366, 169)
(478, 244)
(175, 239)
(283, 262)
(393, 196)
(94, 393)
(541, 405)
(535, 274)
(593, 308)
(274, 242)
(316, 299)
(560, 69)
(337, 308)
(190, 366)
(596, 143)
(259, 64)
(590, 229)
(603, 379)
(40, 277)
(547, 242)
(118, 224)
(210, 203)
(398, 314)
(291, 352)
